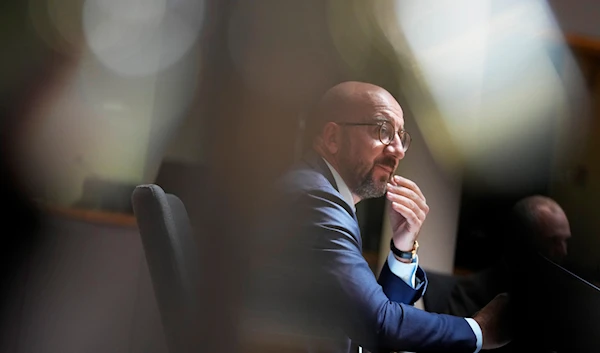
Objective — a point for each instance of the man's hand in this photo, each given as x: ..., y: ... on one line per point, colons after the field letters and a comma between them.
x: 494, y: 322
x: 409, y: 210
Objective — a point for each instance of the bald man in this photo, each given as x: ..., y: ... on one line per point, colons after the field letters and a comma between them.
x: 544, y: 225
x: 319, y: 288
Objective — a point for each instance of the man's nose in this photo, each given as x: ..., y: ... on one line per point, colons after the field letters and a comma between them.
x: 563, y: 248
x: 396, y: 148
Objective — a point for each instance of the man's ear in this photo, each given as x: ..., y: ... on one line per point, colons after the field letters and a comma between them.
x: 331, y: 137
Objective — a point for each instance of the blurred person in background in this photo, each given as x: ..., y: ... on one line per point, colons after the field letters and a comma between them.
x: 537, y: 225
x: 318, y: 287
x: 546, y: 226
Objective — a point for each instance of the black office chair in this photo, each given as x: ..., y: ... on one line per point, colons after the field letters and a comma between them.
x: 172, y: 257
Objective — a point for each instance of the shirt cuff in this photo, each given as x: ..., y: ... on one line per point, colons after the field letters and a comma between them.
x: 477, y: 331
x: 405, y: 271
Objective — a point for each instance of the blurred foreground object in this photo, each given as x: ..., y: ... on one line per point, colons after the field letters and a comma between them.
x: 509, y: 96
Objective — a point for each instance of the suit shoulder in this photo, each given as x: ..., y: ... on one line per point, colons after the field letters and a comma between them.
x: 306, y: 188
x: 305, y: 180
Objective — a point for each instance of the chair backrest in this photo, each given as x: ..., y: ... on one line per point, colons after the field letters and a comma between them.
x: 171, y: 254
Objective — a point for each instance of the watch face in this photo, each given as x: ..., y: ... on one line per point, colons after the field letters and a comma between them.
x: 407, y: 255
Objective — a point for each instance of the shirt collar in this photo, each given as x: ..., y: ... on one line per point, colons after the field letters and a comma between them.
x: 342, y: 187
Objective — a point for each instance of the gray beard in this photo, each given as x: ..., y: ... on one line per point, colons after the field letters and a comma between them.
x: 369, y: 189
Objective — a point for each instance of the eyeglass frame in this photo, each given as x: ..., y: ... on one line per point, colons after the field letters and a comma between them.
x: 380, y: 124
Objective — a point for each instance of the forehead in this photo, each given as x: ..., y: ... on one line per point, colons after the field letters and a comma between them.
x: 554, y: 223
x: 380, y: 106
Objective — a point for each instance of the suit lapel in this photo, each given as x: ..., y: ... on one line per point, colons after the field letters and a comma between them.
x: 316, y: 162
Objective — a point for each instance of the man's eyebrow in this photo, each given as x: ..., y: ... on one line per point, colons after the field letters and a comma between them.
x: 380, y: 118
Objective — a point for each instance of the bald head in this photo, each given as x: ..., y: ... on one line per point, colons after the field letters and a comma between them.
x: 357, y: 128
x: 547, y: 225
x: 350, y: 101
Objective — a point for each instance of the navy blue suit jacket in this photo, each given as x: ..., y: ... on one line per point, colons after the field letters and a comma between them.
x: 320, y: 287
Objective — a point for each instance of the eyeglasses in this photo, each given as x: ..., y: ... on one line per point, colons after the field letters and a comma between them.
x: 386, y: 133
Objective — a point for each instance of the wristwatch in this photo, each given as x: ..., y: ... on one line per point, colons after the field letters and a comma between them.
x: 407, y: 255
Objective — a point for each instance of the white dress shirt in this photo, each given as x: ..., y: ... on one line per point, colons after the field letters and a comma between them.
x: 405, y: 271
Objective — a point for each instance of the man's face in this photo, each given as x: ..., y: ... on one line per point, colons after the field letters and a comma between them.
x: 366, y: 163
x: 554, y: 234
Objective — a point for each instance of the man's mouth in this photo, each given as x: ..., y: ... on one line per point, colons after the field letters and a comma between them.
x: 386, y: 168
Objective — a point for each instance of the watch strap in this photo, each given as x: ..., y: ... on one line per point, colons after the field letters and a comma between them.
x: 407, y: 255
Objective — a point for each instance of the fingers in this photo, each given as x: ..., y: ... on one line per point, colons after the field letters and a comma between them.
x: 407, y: 193
x: 493, y: 319
x: 408, y: 198
x: 409, y: 208
x: 407, y: 205
x: 503, y: 297
x: 411, y: 217
x: 400, y: 181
